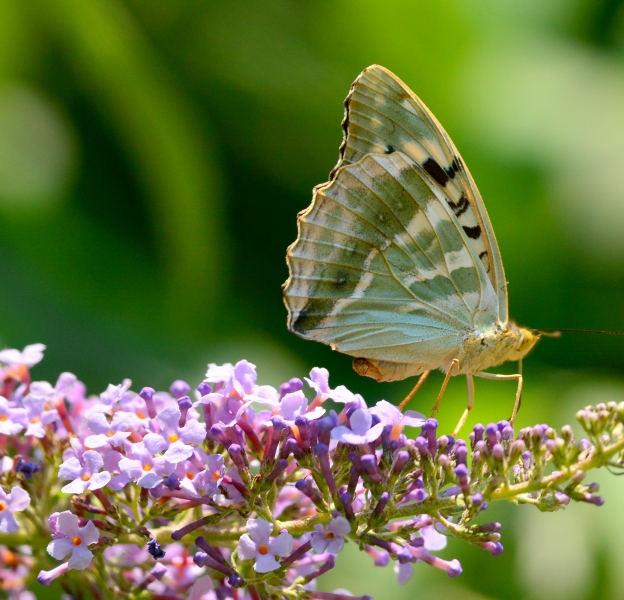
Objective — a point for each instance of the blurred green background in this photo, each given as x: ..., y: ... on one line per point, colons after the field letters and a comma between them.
x: 154, y: 155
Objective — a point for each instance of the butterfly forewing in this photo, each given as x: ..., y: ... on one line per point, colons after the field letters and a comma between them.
x: 383, y: 116
x: 382, y: 269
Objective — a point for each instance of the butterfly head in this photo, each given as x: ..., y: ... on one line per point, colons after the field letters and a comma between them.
x: 525, y: 340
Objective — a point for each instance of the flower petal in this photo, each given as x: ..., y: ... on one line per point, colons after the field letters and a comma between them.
x: 361, y: 421
x: 319, y: 542
x: 246, y: 548
x: 99, y: 480
x: 177, y: 452
x: 19, y: 499
x: 340, y: 526
x: 93, y: 461
x: 70, y: 469
x: 154, y: 443
x: 433, y: 539
x: 149, y: 480
x: 335, y: 545
x: 169, y: 417
x: 259, y: 529
x: 282, y: 545
x: 193, y: 432
x: 266, y: 563
x: 67, y: 524
x: 75, y: 487
x: 90, y: 534
x: 411, y: 418
x: 59, y: 549
x: 81, y: 558
x: 8, y: 524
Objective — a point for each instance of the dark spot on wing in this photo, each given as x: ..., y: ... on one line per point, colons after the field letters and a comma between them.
x: 390, y: 150
x: 472, y: 232
x: 312, y: 314
x: 483, y: 255
x: 436, y: 171
x: 459, y: 207
x: 454, y: 168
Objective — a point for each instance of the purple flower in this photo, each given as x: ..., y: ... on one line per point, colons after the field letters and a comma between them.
x: 433, y: 539
x: 11, y: 419
x: 348, y: 398
x: 74, y: 541
x: 360, y: 431
x: 330, y: 537
x: 209, y: 480
x: 239, y: 378
x: 113, y: 433
x: 114, y: 393
x: 257, y: 545
x: 390, y: 415
x: 143, y: 468
x: 29, y: 356
x: 37, y: 416
x: 319, y: 382
x: 174, y: 439
x: 84, y: 476
x: 291, y: 406
x: 16, y: 501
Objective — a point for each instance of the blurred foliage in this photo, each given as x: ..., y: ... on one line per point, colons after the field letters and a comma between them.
x: 154, y: 155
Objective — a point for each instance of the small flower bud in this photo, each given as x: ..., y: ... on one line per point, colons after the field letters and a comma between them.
x: 179, y: 388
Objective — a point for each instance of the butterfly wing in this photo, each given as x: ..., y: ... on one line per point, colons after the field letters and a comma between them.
x: 383, y: 270
x: 382, y: 115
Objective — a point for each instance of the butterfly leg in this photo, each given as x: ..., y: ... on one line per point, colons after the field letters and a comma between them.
x: 462, y: 420
x: 517, y: 377
x: 418, y: 385
x: 454, y: 365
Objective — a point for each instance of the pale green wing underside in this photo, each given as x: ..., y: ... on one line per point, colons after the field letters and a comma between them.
x: 383, y: 115
x: 382, y: 268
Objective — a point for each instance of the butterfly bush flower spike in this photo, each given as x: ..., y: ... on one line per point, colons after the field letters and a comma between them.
x: 142, y: 492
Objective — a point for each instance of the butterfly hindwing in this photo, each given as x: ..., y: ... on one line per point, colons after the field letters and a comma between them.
x: 382, y: 269
x: 383, y: 116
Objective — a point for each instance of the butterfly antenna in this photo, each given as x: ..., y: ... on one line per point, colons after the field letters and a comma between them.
x: 556, y: 333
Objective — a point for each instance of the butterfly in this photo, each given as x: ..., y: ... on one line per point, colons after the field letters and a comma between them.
x: 396, y: 262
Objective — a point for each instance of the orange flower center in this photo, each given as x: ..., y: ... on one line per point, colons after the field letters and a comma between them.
x: 263, y: 549
x: 86, y: 477
x: 3, y: 417
x: 190, y: 475
x: 172, y: 437
x: 110, y: 434
x: 216, y: 475
x: 147, y: 467
x: 35, y: 419
x: 397, y: 428
x: 2, y: 506
x: 140, y: 415
x: 77, y: 541
x: 330, y: 535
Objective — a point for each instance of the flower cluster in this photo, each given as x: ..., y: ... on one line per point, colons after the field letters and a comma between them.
x: 239, y: 490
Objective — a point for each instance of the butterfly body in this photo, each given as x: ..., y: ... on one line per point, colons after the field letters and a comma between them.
x: 396, y: 262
